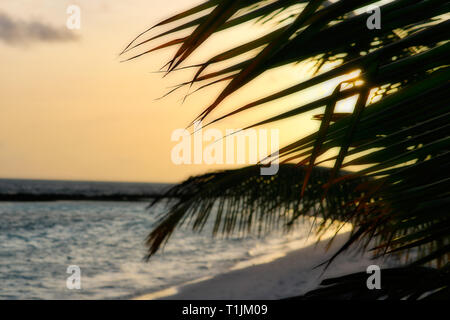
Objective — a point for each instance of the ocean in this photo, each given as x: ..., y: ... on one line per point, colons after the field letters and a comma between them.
x: 39, y: 240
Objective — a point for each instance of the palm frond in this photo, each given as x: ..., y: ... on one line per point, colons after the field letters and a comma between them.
x: 398, y: 131
x: 245, y: 201
x: 428, y: 283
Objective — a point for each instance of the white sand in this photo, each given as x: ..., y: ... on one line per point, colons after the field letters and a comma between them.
x: 290, y: 275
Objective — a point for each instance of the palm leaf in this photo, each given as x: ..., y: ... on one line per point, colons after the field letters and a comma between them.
x: 397, y: 202
x: 396, y: 284
x: 240, y: 198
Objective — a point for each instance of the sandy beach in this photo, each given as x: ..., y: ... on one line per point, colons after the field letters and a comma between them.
x: 287, y: 276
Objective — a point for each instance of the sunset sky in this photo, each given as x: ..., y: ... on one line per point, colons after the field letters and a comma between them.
x: 71, y: 110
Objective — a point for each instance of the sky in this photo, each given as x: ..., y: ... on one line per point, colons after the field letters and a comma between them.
x: 70, y: 109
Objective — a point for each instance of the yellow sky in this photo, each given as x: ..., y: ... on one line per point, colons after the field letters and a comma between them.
x: 71, y: 110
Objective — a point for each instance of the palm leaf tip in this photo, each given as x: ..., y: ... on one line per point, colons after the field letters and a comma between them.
x: 242, y: 201
x: 396, y: 284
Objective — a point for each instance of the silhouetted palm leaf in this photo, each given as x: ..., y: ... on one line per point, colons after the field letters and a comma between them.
x: 396, y: 285
x: 244, y: 199
x: 400, y: 133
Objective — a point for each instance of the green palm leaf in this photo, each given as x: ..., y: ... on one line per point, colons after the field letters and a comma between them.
x: 398, y: 201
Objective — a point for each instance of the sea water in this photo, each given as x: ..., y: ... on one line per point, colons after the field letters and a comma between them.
x: 106, y: 240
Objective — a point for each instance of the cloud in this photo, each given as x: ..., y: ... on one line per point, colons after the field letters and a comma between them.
x: 15, y: 32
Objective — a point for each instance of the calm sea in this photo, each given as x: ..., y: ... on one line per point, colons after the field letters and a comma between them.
x: 40, y: 240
